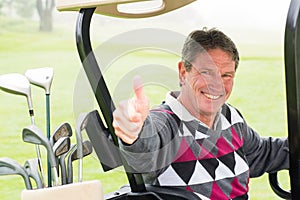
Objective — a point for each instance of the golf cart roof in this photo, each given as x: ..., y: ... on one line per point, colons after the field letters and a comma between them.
x: 111, y: 7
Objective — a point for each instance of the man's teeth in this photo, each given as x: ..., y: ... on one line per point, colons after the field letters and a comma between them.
x: 211, y: 96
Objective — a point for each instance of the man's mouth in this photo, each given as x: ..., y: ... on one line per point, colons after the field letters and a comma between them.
x: 210, y: 96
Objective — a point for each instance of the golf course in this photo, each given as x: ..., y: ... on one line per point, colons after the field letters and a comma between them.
x: 259, y: 92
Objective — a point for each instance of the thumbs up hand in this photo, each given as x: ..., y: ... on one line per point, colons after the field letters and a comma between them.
x: 129, y: 116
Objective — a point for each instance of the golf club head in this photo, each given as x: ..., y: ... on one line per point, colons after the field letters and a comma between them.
x: 16, y: 84
x: 63, y: 130
x: 87, y: 150
x: 61, y: 146
x: 80, y: 125
x: 41, y: 77
x: 32, y: 168
x: 32, y: 134
x: 9, y: 166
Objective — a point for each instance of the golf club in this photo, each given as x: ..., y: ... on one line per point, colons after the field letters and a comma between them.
x: 62, y: 164
x: 9, y: 166
x: 87, y: 150
x: 61, y: 146
x: 31, y: 167
x: 63, y: 130
x: 18, y: 84
x: 32, y: 134
x: 42, y: 77
x: 80, y: 125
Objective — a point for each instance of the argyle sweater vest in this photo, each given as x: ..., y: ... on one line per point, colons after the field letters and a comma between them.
x: 210, y: 163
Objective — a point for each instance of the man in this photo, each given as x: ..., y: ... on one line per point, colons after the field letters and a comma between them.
x: 195, y: 140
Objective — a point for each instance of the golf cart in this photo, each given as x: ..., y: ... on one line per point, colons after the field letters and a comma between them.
x: 104, y: 136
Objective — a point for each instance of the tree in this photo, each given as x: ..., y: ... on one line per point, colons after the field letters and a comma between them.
x: 45, y: 8
x: 24, y: 9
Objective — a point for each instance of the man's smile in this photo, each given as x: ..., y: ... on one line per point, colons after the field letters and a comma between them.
x: 211, y: 96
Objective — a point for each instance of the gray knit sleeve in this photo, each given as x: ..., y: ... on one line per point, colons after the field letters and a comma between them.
x: 156, y: 146
x: 265, y: 154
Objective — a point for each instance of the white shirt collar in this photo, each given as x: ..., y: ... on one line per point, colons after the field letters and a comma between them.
x: 177, y: 107
x: 181, y: 111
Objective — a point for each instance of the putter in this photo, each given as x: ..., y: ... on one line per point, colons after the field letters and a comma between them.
x: 18, y: 84
x: 31, y: 167
x: 42, y: 77
x: 80, y: 125
x: 63, y: 130
x: 33, y: 135
x: 9, y: 166
x: 87, y: 150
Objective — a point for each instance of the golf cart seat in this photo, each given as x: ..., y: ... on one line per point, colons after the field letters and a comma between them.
x: 103, y: 138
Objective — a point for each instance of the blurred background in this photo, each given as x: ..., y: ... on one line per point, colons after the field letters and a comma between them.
x: 34, y: 34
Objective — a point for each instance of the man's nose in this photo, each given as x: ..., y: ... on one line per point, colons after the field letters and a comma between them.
x: 215, y: 84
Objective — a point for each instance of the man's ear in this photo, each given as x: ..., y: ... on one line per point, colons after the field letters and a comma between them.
x: 181, y: 73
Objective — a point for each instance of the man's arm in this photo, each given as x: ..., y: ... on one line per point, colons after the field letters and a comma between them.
x: 265, y: 154
x: 148, y: 141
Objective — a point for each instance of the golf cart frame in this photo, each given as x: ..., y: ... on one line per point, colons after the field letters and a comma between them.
x: 138, y: 190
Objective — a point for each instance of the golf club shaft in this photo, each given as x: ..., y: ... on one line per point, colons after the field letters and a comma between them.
x: 80, y: 165
x: 38, y: 151
x: 70, y: 171
x: 54, y: 176
x: 63, y: 170
x: 48, y: 135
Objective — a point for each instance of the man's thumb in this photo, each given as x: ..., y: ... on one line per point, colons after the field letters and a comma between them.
x: 139, y: 89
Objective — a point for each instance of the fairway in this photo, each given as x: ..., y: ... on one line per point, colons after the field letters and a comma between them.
x: 259, y: 93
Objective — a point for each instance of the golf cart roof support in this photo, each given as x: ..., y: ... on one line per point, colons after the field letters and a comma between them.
x: 292, y: 78
x: 292, y: 71
x: 99, y: 87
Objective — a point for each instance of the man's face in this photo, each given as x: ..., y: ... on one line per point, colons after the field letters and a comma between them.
x: 207, y: 86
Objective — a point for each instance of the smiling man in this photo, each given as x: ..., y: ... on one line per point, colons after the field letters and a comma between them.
x: 195, y: 140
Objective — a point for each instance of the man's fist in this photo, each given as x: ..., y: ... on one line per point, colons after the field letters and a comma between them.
x: 130, y: 114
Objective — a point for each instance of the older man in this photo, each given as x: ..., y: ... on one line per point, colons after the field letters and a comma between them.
x: 195, y: 140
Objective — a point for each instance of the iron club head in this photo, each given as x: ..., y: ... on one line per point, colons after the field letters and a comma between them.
x: 9, y: 166
x: 63, y: 130
x: 61, y: 146
x: 33, y: 135
x: 73, y: 155
x: 32, y: 169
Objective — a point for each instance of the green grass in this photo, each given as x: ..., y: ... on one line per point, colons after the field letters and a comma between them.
x: 259, y: 93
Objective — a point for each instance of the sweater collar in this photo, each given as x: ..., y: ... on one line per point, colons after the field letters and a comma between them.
x: 181, y: 112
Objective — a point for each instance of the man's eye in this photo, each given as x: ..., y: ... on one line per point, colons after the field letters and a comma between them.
x: 205, y: 72
x: 227, y: 75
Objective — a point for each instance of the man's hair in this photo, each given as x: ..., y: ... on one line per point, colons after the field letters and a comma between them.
x: 203, y: 40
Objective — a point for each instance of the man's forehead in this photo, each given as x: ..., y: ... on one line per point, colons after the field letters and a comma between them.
x: 213, y: 59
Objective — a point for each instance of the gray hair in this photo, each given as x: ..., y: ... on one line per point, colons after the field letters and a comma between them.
x: 203, y: 40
